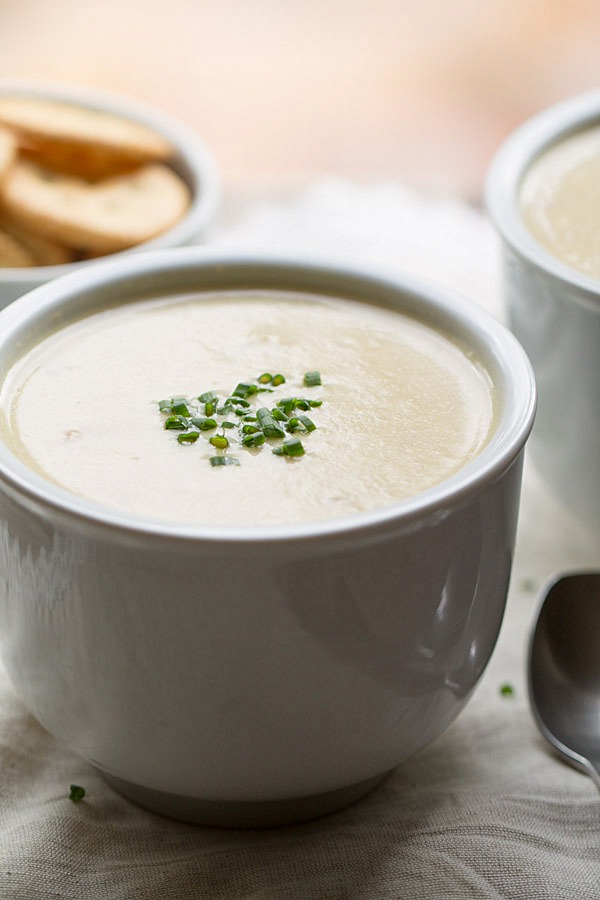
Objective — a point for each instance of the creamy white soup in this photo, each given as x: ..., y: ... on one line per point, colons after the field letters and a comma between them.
x: 560, y: 201
x: 375, y: 407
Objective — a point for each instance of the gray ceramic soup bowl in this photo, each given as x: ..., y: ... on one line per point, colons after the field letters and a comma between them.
x: 192, y: 161
x: 554, y: 310
x: 314, y: 658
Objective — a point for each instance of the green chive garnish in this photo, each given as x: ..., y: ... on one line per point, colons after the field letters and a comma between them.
x: 204, y: 424
x: 507, y: 690
x: 223, y: 461
x: 294, y: 447
x: 287, y: 404
x: 177, y: 423
x: 291, y: 447
x: 312, y: 379
x: 254, y: 426
x: 253, y: 440
x: 179, y: 408
x: 190, y: 437
x: 308, y: 423
x: 244, y: 389
x: 76, y: 793
x: 268, y: 424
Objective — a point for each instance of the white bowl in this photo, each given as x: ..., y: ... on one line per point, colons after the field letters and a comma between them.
x: 192, y: 161
x: 308, y: 660
x: 554, y: 310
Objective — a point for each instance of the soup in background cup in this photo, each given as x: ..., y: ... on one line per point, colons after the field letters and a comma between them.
x: 253, y: 671
x: 541, y: 192
x: 189, y: 160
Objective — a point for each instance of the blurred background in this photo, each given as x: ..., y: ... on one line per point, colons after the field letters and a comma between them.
x: 422, y: 91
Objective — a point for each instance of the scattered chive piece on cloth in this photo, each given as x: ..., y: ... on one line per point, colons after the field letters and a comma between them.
x: 76, y: 793
x: 507, y: 690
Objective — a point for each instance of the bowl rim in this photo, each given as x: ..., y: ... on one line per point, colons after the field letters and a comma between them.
x: 503, y: 181
x: 513, y: 425
x: 189, y: 148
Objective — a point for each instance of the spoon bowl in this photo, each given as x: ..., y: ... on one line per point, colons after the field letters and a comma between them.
x: 564, y: 670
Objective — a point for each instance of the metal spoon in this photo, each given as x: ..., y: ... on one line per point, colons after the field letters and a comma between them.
x: 564, y: 670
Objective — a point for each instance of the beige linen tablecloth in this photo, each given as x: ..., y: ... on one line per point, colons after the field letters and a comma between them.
x: 484, y: 811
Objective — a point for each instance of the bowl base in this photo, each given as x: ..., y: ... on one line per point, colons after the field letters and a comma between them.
x: 246, y: 814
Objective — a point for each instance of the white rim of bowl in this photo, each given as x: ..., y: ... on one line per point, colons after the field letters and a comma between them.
x: 500, y: 347
x: 505, y: 175
x: 188, y: 146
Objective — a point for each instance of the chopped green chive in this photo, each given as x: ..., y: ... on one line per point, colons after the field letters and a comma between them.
x: 223, y: 461
x: 291, y: 447
x: 507, y: 690
x: 308, y: 423
x: 253, y: 440
x: 189, y: 437
x: 177, y: 423
x: 244, y: 389
x: 312, y: 379
x: 268, y: 423
x: 76, y: 793
x: 253, y: 426
x: 180, y: 408
x: 287, y: 404
x: 204, y: 424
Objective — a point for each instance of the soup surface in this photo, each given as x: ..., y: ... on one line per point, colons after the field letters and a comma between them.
x: 399, y: 408
x: 560, y: 201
